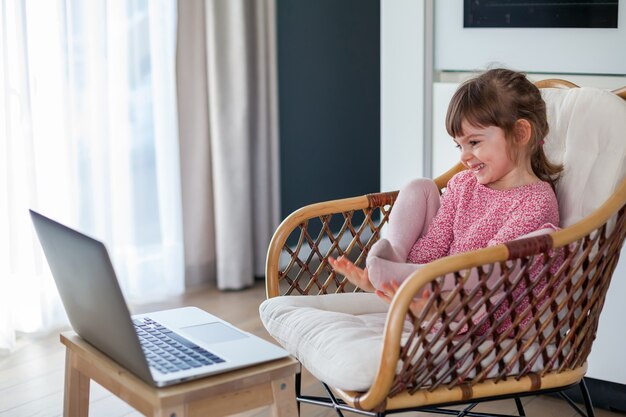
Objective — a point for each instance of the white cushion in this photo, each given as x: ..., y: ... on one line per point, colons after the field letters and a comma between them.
x: 587, y: 135
x: 339, y: 338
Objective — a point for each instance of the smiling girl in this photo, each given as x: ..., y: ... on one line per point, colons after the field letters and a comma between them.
x: 498, y: 122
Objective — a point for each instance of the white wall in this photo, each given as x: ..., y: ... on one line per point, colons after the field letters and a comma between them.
x: 444, y: 155
x: 596, y: 51
x: 402, y: 76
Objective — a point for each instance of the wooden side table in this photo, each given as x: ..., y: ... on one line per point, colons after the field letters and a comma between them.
x: 271, y: 383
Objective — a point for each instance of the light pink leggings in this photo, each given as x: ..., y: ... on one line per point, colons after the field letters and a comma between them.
x: 410, y: 218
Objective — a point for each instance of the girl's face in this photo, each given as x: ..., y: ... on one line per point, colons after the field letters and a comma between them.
x: 484, y: 151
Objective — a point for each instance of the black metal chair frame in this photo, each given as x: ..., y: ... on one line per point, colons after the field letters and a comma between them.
x: 339, y: 405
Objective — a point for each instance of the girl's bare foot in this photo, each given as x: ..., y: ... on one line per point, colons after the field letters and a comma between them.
x: 354, y: 274
x: 389, y: 289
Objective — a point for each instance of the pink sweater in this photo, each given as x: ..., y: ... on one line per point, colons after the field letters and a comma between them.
x: 473, y: 216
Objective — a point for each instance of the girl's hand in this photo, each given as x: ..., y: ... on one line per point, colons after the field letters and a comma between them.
x: 389, y: 289
x: 354, y: 274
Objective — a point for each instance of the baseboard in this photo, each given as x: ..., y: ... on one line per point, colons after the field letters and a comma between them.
x: 607, y: 395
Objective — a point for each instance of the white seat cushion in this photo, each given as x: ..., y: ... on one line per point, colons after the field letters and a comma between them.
x: 339, y: 338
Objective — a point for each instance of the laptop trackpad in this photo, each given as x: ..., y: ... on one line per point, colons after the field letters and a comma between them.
x: 213, y: 333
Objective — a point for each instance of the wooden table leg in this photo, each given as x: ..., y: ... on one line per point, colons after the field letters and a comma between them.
x: 284, y: 392
x: 76, y: 396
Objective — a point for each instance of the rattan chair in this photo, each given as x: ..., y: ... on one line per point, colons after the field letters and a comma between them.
x: 426, y: 363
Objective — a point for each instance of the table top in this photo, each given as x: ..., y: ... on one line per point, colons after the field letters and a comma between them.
x: 102, y: 369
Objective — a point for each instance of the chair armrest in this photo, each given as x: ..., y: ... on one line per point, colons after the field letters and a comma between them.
x: 297, y: 258
x: 298, y: 254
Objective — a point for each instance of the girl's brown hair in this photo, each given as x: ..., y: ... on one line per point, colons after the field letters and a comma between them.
x: 500, y: 97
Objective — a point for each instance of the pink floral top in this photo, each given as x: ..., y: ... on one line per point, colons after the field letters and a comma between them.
x: 473, y: 216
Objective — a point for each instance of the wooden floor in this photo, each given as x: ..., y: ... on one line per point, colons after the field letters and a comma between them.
x: 31, y: 379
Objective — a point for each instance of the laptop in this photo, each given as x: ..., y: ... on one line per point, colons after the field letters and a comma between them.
x: 162, y: 348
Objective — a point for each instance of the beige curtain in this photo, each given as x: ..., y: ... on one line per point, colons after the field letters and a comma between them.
x: 227, y: 92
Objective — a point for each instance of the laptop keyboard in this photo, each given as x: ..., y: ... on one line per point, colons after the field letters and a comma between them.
x: 167, y: 351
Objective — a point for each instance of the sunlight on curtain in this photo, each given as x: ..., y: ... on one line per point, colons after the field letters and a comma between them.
x: 88, y: 136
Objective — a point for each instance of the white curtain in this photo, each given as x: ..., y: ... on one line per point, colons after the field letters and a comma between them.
x: 227, y: 92
x: 88, y: 136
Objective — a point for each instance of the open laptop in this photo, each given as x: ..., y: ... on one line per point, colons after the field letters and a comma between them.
x: 161, y: 348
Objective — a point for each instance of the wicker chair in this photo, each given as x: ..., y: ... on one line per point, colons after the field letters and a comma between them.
x: 426, y: 363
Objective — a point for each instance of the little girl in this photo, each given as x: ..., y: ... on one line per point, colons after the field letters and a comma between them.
x: 498, y: 122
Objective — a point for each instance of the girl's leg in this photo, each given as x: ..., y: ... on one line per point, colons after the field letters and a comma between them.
x: 412, y: 213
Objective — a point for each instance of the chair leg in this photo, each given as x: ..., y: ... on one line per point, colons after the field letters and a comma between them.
x: 333, y: 399
x: 586, y: 398
x: 520, y: 407
x: 298, y: 390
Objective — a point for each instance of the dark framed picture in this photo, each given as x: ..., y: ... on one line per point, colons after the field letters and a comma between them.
x: 540, y: 13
